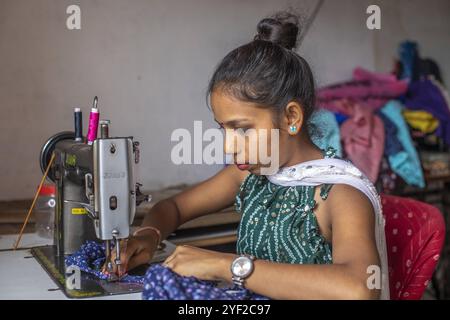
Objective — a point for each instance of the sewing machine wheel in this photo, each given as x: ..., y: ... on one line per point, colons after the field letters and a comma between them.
x: 49, y: 146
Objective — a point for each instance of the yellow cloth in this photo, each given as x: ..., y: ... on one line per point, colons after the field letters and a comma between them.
x: 421, y: 120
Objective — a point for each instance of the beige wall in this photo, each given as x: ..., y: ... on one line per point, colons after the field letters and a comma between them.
x: 149, y: 62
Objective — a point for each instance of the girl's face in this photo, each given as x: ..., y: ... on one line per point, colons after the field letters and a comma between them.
x: 249, y: 123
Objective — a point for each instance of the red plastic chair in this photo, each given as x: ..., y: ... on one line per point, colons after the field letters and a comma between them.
x: 415, y: 233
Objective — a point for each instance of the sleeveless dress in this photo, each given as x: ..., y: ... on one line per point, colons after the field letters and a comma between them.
x: 278, y: 223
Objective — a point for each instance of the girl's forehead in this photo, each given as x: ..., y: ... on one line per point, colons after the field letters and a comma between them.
x: 226, y: 107
x: 221, y: 99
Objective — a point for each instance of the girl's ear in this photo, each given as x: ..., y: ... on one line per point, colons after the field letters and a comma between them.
x: 293, y: 117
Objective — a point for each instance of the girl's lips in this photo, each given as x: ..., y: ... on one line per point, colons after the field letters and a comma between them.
x: 243, y: 166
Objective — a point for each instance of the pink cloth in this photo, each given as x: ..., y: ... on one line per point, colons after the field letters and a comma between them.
x: 363, y: 139
x: 372, y: 89
x: 363, y: 74
x: 363, y: 133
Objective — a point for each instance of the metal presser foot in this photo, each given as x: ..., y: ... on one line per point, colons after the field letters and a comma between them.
x: 108, y: 269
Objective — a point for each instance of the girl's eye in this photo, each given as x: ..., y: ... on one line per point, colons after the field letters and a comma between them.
x: 237, y: 129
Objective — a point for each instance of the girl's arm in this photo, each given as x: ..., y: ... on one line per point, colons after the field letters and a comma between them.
x: 209, y: 196
x: 354, y: 250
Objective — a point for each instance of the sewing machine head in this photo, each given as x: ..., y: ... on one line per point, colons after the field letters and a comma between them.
x: 96, y: 193
x: 113, y: 193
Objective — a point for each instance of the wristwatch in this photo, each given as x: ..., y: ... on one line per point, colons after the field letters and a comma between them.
x: 241, y: 268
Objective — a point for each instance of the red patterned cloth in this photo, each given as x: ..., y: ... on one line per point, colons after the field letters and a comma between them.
x: 415, y: 233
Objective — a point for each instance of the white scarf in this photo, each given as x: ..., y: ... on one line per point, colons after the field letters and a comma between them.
x: 338, y: 171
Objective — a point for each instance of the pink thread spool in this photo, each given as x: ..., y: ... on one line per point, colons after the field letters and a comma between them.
x: 93, y: 123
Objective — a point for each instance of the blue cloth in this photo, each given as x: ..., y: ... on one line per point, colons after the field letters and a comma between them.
x: 159, y: 282
x: 409, y: 58
x: 405, y: 163
x: 340, y: 118
x: 392, y: 144
x: 324, y: 131
x: 90, y: 259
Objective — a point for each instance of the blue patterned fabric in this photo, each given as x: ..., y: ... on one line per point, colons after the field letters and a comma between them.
x: 159, y: 282
x: 90, y: 259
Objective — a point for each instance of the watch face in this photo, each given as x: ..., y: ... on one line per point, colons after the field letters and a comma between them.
x: 242, y: 266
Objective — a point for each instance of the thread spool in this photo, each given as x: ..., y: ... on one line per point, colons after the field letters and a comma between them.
x: 78, y: 117
x: 93, y: 122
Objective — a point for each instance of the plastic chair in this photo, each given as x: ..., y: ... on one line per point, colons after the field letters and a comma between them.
x: 415, y: 234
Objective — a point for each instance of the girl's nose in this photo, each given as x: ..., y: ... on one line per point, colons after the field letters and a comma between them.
x: 234, y: 144
x: 231, y: 145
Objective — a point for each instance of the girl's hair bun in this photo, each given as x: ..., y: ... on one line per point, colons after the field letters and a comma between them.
x: 281, y: 29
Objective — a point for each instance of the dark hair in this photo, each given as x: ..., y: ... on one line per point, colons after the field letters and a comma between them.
x: 266, y: 71
x: 282, y: 29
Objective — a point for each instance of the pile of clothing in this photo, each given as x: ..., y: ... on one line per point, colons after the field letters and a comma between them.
x: 376, y: 120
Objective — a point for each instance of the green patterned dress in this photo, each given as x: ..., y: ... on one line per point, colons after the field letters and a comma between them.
x: 278, y: 223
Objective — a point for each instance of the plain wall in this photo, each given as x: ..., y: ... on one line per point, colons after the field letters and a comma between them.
x: 149, y: 61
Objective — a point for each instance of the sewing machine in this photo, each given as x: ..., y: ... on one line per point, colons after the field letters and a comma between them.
x: 96, y: 199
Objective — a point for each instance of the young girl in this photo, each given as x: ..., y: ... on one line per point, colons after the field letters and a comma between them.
x: 307, y: 232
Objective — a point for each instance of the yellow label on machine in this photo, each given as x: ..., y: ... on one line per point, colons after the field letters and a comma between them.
x: 79, y: 211
x: 71, y: 160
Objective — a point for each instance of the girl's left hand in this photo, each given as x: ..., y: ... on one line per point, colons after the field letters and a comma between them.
x: 200, y: 263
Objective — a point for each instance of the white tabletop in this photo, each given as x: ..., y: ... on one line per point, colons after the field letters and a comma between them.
x: 29, y: 240
x: 22, y: 277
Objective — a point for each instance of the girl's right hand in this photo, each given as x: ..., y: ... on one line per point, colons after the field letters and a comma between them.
x: 135, y: 251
